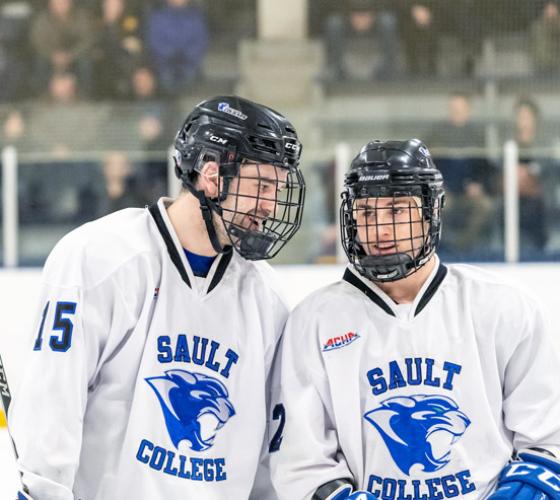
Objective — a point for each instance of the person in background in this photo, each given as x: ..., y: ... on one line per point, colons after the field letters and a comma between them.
x: 530, y: 136
x: 469, y: 179
x: 371, y: 20
x: 419, y: 30
x: 177, y: 37
x: 118, y: 47
x: 61, y: 38
x: 545, y: 39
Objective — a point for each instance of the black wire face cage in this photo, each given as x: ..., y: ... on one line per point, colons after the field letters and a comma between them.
x: 261, y: 206
x: 391, y: 236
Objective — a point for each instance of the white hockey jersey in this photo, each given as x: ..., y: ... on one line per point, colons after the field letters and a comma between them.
x: 415, y: 401
x: 145, y: 382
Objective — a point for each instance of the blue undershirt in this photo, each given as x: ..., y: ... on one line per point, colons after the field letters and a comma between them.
x: 200, y: 264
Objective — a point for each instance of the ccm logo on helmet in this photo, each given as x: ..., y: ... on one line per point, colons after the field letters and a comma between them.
x: 293, y: 146
x: 219, y: 140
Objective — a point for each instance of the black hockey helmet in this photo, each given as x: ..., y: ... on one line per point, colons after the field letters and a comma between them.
x: 233, y: 131
x: 389, y: 241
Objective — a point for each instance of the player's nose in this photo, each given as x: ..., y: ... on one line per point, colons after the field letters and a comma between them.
x: 267, y: 206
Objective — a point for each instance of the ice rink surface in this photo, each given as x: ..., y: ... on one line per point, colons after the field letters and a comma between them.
x: 9, y: 482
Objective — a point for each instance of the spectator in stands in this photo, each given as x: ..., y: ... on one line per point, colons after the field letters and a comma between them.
x: 13, y: 129
x: 419, y: 32
x: 61, y: 37
x: 532, y: 208
x: 545, y: 38
x: 177, y: 38
x: 115, y: 189
x: 61, y: 123
x: 118, y: 47
x: 150, y: 112
x: 370, y: 20
x: 468, y: 24
x: 118, y: 173
x: 14, y: 53
x: 152, y: 120
x: 468, y: 179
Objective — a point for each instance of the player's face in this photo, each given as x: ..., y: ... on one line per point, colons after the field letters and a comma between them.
x: 253, y: 196
x: 390, y: 225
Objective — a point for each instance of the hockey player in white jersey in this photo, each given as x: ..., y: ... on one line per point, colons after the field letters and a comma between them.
x: 409, y: 379
x: 147, y: 374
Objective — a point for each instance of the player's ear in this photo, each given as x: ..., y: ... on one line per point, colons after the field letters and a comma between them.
x: 208, y: 179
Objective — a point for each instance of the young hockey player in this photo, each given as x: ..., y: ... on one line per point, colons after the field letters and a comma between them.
x: 148, y: 372
x: 410, y: 379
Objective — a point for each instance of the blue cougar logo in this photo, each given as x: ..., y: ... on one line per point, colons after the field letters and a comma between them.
x: 195, y: 407
x: 419, y: 429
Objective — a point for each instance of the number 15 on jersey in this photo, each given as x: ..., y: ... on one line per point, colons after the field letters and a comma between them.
x: 63, y: 316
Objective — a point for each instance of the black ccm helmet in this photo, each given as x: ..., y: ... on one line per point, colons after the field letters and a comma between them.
x: 233, y: 132
x: 388, y: 241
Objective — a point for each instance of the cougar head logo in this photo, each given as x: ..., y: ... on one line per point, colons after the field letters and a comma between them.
x: 195, y: 407
x: 419, y: 430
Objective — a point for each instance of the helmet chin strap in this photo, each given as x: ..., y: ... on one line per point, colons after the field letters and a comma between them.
x: 387, y: 267
x: 206, y: 209
x: 253, y: 244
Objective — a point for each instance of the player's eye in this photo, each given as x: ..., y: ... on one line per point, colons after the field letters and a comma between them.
x: 364, y: 211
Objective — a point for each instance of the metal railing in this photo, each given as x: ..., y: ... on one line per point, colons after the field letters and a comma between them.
x: 343, y: 152
x: 10, y: 201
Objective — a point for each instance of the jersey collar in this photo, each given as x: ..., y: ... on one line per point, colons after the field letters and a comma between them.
x: 175, y: 250
x: 384, y: 302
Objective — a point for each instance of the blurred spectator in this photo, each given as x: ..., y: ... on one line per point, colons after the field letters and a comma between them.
x: 61, y: 123
x: 177, y: 37
x: 117, y: 48
x: 532, y: 209
x: 545, y: 37
x: 63, y: 88
x: 372, y: 21
x: 458, y: 130
x: 14, y: 50
x: 116, y: 189
x: 151, y: 117
x: 419, y: 32
x: 119, y: 182
x: 150, y: 112
x: 144, y: 84
x: 468, y: 22
x: 468, y: 180
x: 13, y: 129
x: 62, y: 36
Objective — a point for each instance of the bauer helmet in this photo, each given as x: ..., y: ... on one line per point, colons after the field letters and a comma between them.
x: 390, y: 214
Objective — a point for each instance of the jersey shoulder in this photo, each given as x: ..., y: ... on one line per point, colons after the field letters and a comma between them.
x: 93, y: 251
x: 332, y: 299
x: 266, y: 279
x: 491, y: 289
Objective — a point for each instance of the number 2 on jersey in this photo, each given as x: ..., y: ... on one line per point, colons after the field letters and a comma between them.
x: 62, y: 341
x: 279, y: 413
